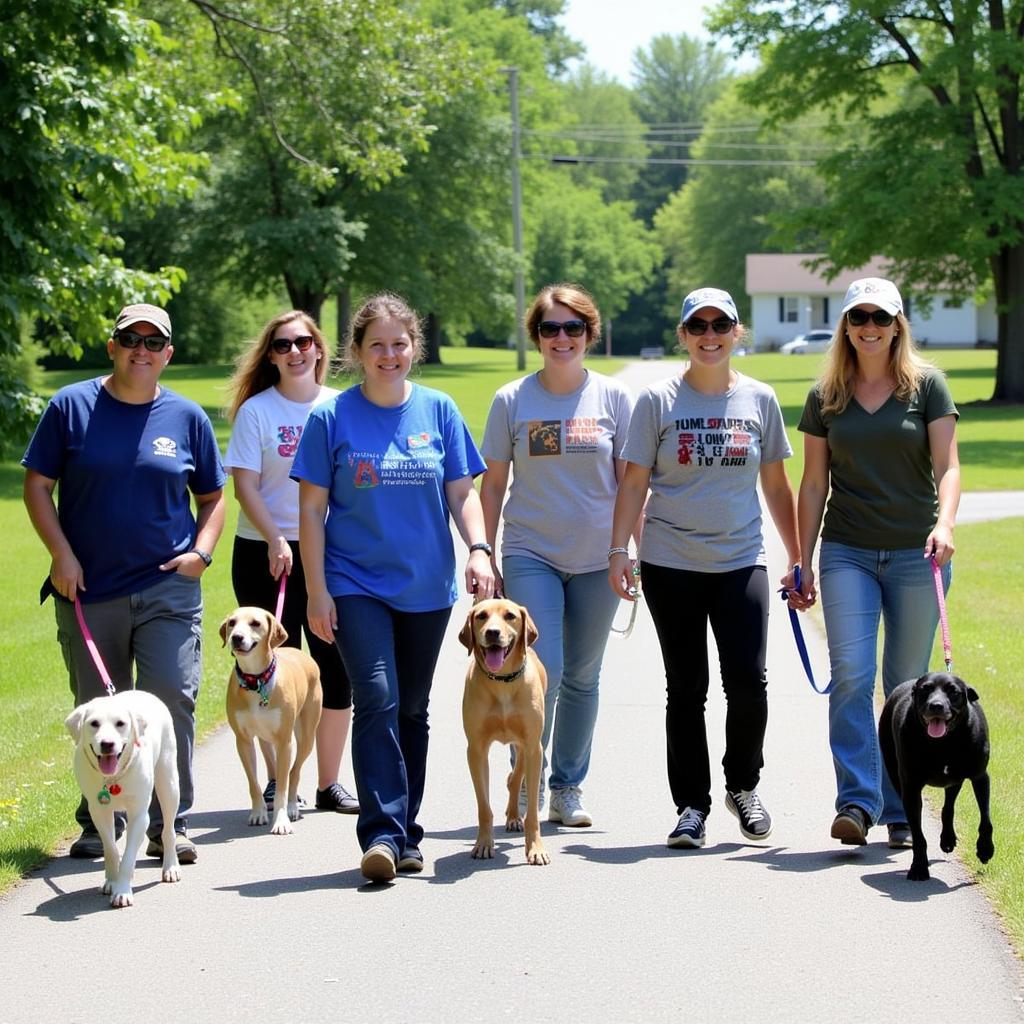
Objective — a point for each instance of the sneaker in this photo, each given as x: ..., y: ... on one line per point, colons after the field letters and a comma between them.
x: 87, y: 846
x: 522, y: 798
x: 271, y: 791
x: 755, y: 821
x: 411, y: 862
x: 378, y: 863
x: 567, y: 808
x: 690, y: 830
x: 183, y: 846
x: 899, y: 835
x: 850, y: 826
x: 336, y: 798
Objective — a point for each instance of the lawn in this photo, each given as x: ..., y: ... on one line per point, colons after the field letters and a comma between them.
x: 37, y: 792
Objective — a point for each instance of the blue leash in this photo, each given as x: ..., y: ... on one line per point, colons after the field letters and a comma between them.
x: 794, y: 620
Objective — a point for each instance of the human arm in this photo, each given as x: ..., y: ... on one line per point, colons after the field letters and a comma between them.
x: 492, y: 496
x: 810, y: 507
x: 946, y: 469
x: 65, y: 569
x: 778, y: 496
x: 467, y: 513
x: 637, y: 529
x: 209, y: 525
x: 320, y: 608
x: 247, y: 491
x: 629, y: 503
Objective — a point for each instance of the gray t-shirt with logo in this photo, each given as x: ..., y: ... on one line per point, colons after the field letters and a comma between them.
x: 562, y: 449
x: 705, y: 453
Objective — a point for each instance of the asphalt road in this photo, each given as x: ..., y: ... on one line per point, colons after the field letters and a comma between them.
x: 616, y: 928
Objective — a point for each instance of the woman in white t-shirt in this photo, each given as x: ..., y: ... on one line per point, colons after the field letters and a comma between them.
x: 560, y: 431
x: 279, y: 379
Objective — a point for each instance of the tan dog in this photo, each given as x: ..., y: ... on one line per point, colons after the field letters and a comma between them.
x: 124, y: 748
x: 504, y: 702
x: 273, y: 695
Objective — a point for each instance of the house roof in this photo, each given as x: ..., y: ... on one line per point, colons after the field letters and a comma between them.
x: 786, y: 273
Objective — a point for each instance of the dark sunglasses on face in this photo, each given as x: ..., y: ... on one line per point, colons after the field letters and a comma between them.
x: 130, y: 339
x: 282, y: 346
x: 573, y: 328
x: 859, y: 317
x: 723, y: 325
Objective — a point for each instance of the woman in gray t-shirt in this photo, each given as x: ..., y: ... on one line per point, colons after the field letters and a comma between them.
x: 560, y: 431
x: 701, y: 442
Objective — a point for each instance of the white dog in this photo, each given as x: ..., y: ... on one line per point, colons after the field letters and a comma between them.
x: 124, y: 748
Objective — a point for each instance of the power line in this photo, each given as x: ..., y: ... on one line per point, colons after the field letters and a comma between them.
x: 563, y: 159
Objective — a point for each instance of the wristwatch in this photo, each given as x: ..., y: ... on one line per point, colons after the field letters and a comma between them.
x: 482, y: 546
x: 205, y: 556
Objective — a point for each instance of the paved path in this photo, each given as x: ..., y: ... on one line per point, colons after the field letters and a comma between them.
x: 617, y: 928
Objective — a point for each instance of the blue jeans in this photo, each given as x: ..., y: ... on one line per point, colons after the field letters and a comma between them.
x: 858, y: 587
x: 390, y: 657
x: 573, y: 613
x: 158, y: 632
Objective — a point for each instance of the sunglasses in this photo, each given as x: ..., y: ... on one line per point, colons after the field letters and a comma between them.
x: 282, y: 346
x: 130, y: 339
x: 723, y: 325
x: 573, y: 328
x: 859, y: 317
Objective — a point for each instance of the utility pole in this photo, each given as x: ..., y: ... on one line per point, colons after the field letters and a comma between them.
x: 517, y: 219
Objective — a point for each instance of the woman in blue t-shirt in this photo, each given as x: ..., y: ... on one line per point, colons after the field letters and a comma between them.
x: 380, y: 468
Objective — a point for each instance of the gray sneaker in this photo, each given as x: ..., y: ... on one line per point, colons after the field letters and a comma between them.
x: 755, y: 821
x: 567, y: 808
x: 690, y: 830
x: 522, y: 798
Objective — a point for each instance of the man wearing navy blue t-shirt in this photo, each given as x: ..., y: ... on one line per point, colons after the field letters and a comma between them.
x: 130, y: 456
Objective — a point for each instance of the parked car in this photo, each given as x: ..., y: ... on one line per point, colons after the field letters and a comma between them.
x: 812, y: 341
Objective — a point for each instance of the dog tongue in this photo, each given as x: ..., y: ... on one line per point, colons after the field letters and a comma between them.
x: 494, y: 658
x: 108, y: 763
x: 936, y: 728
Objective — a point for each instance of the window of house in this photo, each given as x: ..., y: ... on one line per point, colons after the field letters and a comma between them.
x: 788, y: 309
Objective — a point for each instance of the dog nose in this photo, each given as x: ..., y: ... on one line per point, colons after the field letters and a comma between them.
x: 106, y: 746
x: 492, y: 636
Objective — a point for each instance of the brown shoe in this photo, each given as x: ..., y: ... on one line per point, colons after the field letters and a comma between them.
x: 183, y: 847
x: 850, y: 826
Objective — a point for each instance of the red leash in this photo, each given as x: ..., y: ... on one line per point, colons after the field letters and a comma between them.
x: 93, y: 649
x: 280, y: 597
x: 947, y: 646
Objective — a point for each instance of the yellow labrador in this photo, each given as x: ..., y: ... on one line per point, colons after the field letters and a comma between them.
x: 273, y: 695
x: 124, y: 749
x: 504, y: 702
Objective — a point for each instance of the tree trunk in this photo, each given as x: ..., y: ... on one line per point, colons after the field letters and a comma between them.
x: 433, y: 339
x: 1008, y: 274
x: 306, y: 299
x: 344, y: 317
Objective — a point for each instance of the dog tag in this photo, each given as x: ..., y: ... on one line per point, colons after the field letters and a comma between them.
x: 115, y: 789
x: 104, y: 795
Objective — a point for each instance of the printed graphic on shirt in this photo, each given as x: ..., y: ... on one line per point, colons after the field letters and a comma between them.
x: 165, y: 446
x: 371, y: 469
x: 714, y: 441
x: 545, y: 437
x: 288, y: 440
x: 564, y: 437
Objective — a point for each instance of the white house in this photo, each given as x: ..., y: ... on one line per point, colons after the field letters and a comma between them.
x: 787, y: 298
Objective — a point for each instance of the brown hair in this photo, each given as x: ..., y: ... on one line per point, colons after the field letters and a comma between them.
x: 379, y: 307
x: 254, y: 372
x: 576, y: 297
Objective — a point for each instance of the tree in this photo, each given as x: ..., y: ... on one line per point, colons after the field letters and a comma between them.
x: 929, y: 174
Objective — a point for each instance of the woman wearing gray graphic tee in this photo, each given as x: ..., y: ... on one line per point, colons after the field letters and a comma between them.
x: 700, y: 442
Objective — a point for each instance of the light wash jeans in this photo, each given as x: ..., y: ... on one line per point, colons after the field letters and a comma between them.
x: 858, y: 586
x: 573, y: 613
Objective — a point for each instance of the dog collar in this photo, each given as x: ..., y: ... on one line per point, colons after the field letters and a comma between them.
x: 110, y: 787
x: 510, y: 678
x: 261, y: 682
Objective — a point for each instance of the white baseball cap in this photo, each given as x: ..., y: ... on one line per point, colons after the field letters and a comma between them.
x: 874, y: 290
x: 708, y: 297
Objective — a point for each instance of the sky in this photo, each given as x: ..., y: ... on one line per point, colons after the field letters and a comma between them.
x: 612, y: 29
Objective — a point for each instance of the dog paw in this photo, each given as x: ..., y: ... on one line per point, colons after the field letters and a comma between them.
x: 483, y: 850
x: 947, y: 841
x: 538, y: 855
x: 171, y: 873
x: 514, y: 824
x: 293, y: 811
x: 985, y: 850
x: 258, y: 817
x: 121, y: 899
x: 282, y: 826
x: 918, y: 873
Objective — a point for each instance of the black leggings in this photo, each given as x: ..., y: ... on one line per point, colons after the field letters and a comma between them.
x: 250, y: 576
x: 736, y: 603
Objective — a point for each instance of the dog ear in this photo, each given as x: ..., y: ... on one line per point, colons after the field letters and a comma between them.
x: 73, y: 723
x: 972, y: 694
x: 139, y: 724
x: 529, y: 628
x: 277, y: 634
x: 224, y: 632
x: 466, y: 633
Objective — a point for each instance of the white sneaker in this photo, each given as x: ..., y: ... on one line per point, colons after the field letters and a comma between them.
x: 522, y: 798
x: 567, y: 807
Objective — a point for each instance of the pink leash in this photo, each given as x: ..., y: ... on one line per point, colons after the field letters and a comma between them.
x: 280, y: 597
x: 93, y: 649
x: 947, y: 646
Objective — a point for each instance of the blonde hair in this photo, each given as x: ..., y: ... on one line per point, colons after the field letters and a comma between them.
x: 254, y: 372
x: 837, y: 381
x: 573, y: 296
x: 382, y: 306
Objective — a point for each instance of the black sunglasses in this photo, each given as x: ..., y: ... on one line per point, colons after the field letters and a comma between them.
x: 723, y: 325
x: 573, y: 328
x: 130, y: 339
x: 282, y: 346
x: 859, y: 317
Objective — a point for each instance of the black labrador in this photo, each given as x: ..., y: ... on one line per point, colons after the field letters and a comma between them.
x: 933, y: 732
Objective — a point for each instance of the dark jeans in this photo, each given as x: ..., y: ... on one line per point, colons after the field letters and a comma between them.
x: 253, y: 584
x: 736, y: 604
x: 390, y: 657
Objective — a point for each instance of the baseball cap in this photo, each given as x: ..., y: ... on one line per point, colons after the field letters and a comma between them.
x: 144, y: 312
x: 708, y: 297
x: 874, y: 290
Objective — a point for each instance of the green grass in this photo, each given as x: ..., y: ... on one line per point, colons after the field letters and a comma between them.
x: 37, y: 792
